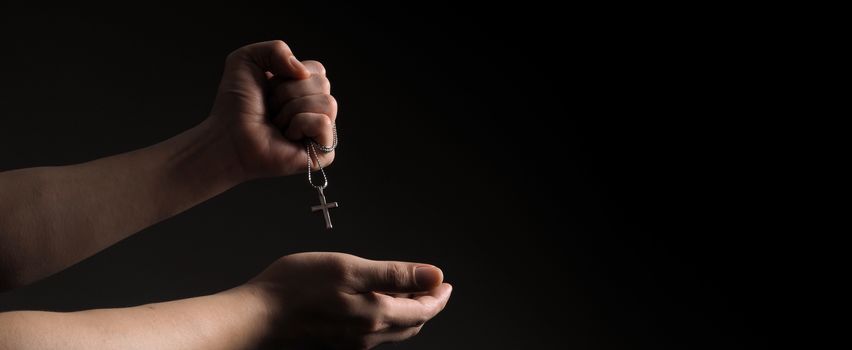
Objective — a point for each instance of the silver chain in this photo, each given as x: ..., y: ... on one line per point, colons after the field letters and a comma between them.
x: 310, y: 147
x: 328, y: 149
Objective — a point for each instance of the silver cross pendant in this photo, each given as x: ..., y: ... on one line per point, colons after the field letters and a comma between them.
x: 324, y: 207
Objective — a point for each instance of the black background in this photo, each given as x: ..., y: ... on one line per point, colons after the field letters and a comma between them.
x: 576, y: 173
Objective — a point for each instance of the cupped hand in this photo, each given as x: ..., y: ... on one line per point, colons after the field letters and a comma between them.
x: 268, y: 104
x: 346, y: 302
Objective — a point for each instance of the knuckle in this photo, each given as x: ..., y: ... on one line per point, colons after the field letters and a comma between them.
x: 314, y: 66
x: 323, y: 102
x: 397, y: 275
x: 325, y: 84
x: 323, y: 123
x: 280, y: 46
x: 331, y: 102
x: 336, y: 268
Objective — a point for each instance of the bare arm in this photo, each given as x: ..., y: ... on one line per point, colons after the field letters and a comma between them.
x: 52, y: 217
x: 309, y: 299
x: 234, y: 319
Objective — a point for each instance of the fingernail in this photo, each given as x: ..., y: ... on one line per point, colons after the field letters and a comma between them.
x: 297, y: 64
x: 428, y: 276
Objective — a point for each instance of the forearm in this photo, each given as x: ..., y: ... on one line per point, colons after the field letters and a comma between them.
x: 52, y: 217
x: 234, y: 319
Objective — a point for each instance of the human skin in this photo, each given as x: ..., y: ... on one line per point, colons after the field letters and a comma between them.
x: 268, y: 102
x: 53, y: 217
x: 302, y: 301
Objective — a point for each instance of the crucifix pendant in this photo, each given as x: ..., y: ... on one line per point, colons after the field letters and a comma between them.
x: 324, y: 207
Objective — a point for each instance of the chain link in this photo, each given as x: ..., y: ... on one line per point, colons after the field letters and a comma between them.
x: 310, y: 147
x: 328, y: 149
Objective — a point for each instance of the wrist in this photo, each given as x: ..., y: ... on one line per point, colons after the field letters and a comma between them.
x: 204, y: 156
x: 266, y: 310
x: 191, y: 167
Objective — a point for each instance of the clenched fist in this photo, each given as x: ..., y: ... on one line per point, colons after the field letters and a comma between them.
x: 268, y: 104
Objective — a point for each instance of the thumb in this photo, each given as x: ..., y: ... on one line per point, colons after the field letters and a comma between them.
x: 396, y: 277
x: 275, y: 57
x: 250, y: 65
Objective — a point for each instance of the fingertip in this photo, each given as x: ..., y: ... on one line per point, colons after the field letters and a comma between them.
x: 299, y: 69
x: 428, y: 277
x: 444, y: 291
